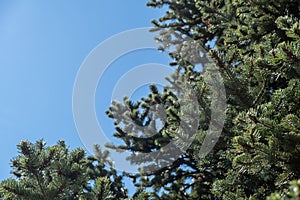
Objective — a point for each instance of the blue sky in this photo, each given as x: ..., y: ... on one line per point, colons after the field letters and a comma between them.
x: 42, y: 45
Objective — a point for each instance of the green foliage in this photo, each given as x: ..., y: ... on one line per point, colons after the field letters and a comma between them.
x: 255, y: 46
x: 100, y: 171
x: 292, y: 193
x: 53, y: 172
x: 101, y: 190
x: 46, y: 173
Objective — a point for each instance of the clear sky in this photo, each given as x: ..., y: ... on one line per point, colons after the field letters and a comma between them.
x: 42, y: 45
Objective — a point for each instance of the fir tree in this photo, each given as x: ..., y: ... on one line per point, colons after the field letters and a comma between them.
x: 256, y: 49
x: 53, y: 172
x: 255, y: 46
